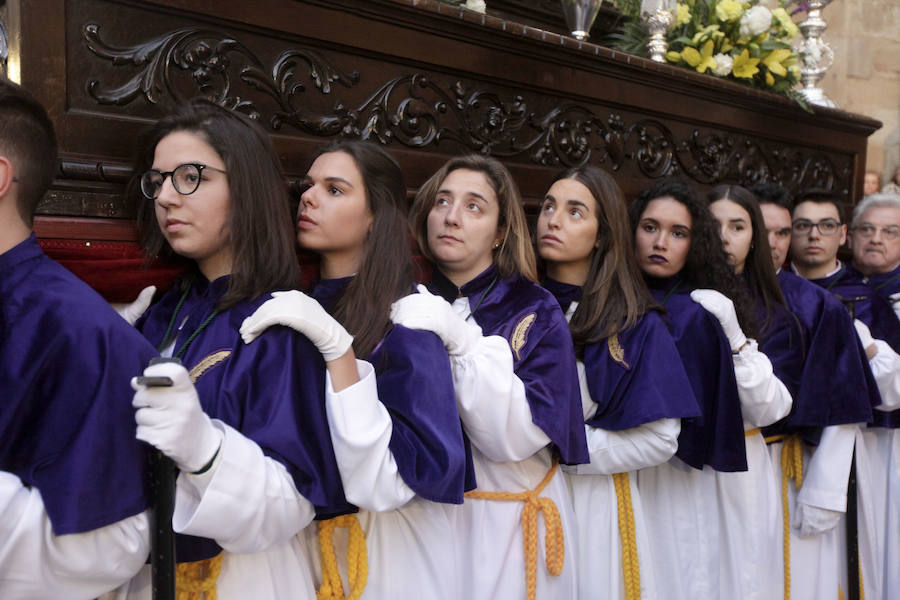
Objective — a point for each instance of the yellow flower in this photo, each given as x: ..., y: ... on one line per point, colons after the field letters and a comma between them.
x: 699, y: 61
x: 769, y: 79
x: 785, y: 21
x: 794, y: 70
x: 726, y: 46
x: 775, y: 58
x: 673, y: 57
x: 682, y: 15
x: 729, y: 10
x: 704, y: 33
x: 744, y: 66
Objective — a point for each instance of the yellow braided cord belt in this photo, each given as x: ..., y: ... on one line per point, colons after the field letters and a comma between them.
x: 357, y: 560
x: 791, y: 468
x: 752, y: 432
x: 197, y: 580
x: 554, y: 543
x: 630, y: 565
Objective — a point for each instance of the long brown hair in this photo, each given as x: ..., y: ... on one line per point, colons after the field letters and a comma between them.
x: 707, y: 264
x: 515, y: 255
x: 758, y: 269
x: 614, y: 295
x: 386, y: 269
x: 260, y: 223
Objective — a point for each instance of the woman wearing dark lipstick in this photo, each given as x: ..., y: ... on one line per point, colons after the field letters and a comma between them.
x: 680, y: 252
x: 634, y: 389
x: 514, y: 375
x: 397, y: 435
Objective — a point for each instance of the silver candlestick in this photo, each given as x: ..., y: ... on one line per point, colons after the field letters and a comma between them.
x: 580, y: 15
x: 658, y: 16
x: 816, y: 54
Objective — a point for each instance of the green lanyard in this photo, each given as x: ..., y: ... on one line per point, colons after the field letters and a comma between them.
x: 184, y: 346
x: 483, y: 294
x: 670, y: 292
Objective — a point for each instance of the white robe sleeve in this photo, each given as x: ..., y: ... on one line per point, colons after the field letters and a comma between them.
x: 644, y: 446
x: 492, y: 403
x: 247, y: 502
x: 825, y: 480
x: 613, y: 452
x: 764, y: 398
x: 885, y: 367
x: 361, y: 433
x: 895, y: 301
x: 35, y: 563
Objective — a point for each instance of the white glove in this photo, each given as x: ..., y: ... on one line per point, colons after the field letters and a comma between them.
x: 722, y: 308
x: 300, y: 312
x: 432, y: 313
x: 132, y: 312
x: 865, y: 338
x: 812, y: 520
x: 172, y: 420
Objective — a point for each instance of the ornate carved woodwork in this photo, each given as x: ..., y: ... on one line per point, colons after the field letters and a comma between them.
x: 425, y: 79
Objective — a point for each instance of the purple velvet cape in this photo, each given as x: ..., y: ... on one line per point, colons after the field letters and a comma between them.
x: 813, y: 354
x: 870, y: 307
x: 650, y: 386
x: 545, y: 362
x: 717, y: 438
x: 66, y: 421
x: 415, y: 385
x: 876, y: 312
x: 271, y: 390
x: 885, y: 284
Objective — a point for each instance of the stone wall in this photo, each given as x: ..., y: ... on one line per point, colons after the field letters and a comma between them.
x: 865, y: 78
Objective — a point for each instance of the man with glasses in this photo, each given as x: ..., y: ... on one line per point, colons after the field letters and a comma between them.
x: 817, y: 234
x: 73, y: 521
x: 833, y: 371
x: 875, y: 242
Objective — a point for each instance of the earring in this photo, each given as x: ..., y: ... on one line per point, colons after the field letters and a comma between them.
x: 496, y: 244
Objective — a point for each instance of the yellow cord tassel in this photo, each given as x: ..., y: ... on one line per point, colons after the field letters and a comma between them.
x: 630, y: 565
x: 791, y: 469
x: 357, y: 560
x: 554, y: 550
x: 197, y: 580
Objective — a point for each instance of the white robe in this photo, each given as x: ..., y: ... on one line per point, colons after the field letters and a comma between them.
x: 882, y: 447
x: 36, y: 564
x: 410, y: 541
x: 599, y: 547
x: 750, y: 552
x: 249, y: 504
x: 511, y: 454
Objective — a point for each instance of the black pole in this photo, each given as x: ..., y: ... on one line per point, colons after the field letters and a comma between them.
x: 853, y: 573
x: 162, y: 479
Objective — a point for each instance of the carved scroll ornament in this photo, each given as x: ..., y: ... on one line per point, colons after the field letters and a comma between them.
x: 418, y: 112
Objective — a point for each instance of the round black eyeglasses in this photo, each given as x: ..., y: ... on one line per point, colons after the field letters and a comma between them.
x: 185, y: 178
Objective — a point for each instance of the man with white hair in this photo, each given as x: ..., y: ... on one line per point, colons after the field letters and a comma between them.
x: 875, y: 242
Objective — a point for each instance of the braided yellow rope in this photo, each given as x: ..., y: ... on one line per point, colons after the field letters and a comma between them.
x: 752, y: 432
x: 357, y: 560
x: 553, y: 540
x: 791, y: 468
x: 197, y: 580
x: 630, y: 564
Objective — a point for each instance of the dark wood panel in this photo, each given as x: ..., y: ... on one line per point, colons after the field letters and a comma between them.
x: 427, y: 80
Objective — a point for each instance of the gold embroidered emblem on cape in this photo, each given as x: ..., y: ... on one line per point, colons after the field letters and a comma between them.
x: 520, y: 334
x: 616, y: 350
x: 207, y: 363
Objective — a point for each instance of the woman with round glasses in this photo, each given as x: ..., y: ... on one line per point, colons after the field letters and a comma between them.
x: 634, y: 389
x: 244, y: 423
x: 399, y: 444
x: 686, y: 499
x: 515, y: 380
